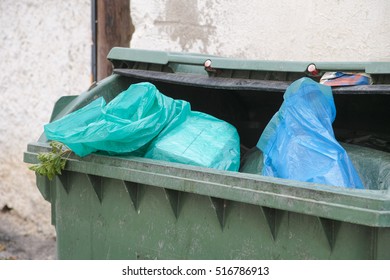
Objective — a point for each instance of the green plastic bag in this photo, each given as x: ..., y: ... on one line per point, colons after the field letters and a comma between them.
x: 200, y: 140
x: 142, y: 120
x: 127, y: 123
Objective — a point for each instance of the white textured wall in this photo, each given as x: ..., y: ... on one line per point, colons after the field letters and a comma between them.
x: 326, y: 30
x: 44, y: 54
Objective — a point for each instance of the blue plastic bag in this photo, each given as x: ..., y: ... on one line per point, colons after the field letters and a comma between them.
x: 298, y: 143
x: 127, y: 123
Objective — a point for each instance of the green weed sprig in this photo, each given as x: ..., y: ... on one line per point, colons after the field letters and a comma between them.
x: 53, y: 162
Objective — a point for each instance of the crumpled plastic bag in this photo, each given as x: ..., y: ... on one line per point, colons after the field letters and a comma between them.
x: 127, y: 123
x: 143, y: 120
x: 338, y: 79
x: 299, y: 143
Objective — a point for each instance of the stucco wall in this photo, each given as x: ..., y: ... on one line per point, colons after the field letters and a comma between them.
x: 326, y: 30
x: 44, y: 54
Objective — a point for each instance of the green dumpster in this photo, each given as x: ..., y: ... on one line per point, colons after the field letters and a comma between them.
x: 127, y: 207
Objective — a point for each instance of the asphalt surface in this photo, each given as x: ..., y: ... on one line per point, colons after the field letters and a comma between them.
x: 24, y: 239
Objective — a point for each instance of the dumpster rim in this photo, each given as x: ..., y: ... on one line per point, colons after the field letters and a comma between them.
x: 372, y: 207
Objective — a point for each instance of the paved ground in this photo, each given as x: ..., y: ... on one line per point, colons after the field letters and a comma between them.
x: 24, y: 239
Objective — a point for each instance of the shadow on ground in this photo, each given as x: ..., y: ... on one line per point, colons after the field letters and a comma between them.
x: 22, y: 239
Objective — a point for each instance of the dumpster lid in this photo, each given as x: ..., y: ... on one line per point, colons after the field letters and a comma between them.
x: 237, y: 83
x: 210, y: 71
x: 127, y: 55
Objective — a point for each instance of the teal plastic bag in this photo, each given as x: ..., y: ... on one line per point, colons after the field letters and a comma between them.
x: 142, y: 120
x: 299, y: 143
x: 126, y: 124
x: 200, y: 140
